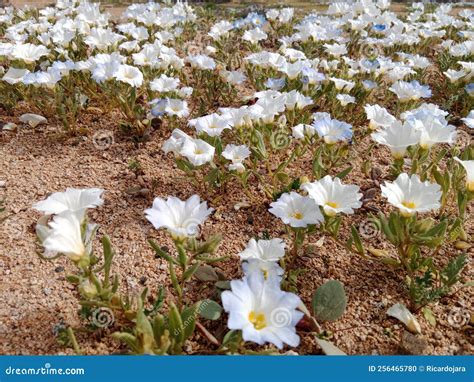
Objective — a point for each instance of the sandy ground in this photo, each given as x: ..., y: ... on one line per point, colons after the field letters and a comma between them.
x: 35, y: 297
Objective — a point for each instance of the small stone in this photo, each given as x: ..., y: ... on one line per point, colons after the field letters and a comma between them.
x: 412, y: 344
x: 59, y: 269
x: 47, y: 291
x: 143, y: 280
x: 2, y: 183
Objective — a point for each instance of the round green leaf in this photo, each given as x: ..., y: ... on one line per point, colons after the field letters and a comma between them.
x: 329, y: 301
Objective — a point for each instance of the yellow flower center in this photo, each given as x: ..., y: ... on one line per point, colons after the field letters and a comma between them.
x: 258, y: 320
x: 265, y: 274
x: 410, y: 205
x: 332, y: 204
x: 297, y: 215
x: 198, y: 151
x: 470, y: 186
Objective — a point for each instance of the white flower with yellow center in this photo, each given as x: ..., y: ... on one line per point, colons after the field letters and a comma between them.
x: 262, y: 311
x: 469, y: 167
x: 269, y: 269
x: 410, y: 195
x: 296, y: 210
x: 333, y: 196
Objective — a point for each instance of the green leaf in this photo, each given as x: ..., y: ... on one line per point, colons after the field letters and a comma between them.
x: 206, y: 273
x: 344, y: 173
x: 189, y: 319
x: 429, y: 316
x: 357, y: 240
x: 210, y: 309
x: 160, y: 253
x: 176, y: 324
x: 329, y: 301
x: 450, y: 274
x: 108, y: 256
x: 191, y: 271
x: 160, y: 298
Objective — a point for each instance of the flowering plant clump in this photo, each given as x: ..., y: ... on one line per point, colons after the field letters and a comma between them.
x: 317, y: 122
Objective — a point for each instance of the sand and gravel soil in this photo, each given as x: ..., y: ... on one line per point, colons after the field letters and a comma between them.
x: 35, y: 297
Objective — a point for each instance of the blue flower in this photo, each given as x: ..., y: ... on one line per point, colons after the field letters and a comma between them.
x: 379, y: 27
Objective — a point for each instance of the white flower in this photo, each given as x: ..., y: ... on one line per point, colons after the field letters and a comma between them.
x: 336, y: 49
x: 235, y: 77
x: 202, y: 62
x: 342, y: 84
x: 266, y: 250
x: 262, y: 311
x: 269, y: 269
x: 64, y: 236
x: 397, y: 137
x: 164, y: 84
x: 101, y: 38
x: 333, y: 196
x: 212, y: 124
x: 332, y: 130
x: 410, y: 195
x: 410, y: 91
x: 170, y: 106
x: 197, y: 151
x: 14, y: 76
x: 254, y: 35
x: 236, y: 154
x: 296, y: 210
x: 469, y: 167
x: 469, y: 120
x: 378, y: 116
x: 29, y: 52
x: 433, y: 129
x: 454, y: 75
x: 300, y: 131
x: 75, y: 200
x: 180, y: 218
x: 345, y: 99
x: 220, y: 29
x: 130, y: 75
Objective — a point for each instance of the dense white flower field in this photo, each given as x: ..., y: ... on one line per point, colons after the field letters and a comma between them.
x: 276, y: 103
